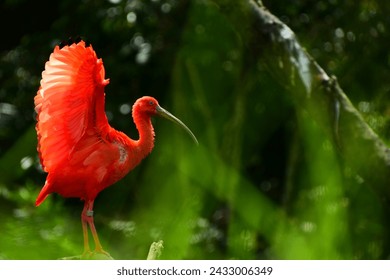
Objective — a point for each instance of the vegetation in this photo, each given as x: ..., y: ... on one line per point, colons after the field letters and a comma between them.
x: 293, y: 128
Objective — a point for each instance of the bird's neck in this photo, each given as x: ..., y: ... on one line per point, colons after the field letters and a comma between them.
x: 143, y: 123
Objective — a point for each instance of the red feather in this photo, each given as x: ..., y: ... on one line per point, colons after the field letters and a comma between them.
x: 76, y: 145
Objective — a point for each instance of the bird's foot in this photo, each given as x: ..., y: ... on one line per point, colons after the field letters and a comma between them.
x: 100, y: 254
x: 86, y: 255
x: 97, y: 254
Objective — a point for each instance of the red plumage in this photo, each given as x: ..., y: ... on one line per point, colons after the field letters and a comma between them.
x: 79, y: 150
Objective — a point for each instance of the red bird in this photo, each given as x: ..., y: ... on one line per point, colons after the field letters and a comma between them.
x: 79, y: 150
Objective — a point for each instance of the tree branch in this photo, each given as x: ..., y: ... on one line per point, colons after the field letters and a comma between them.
x: 311, y: 88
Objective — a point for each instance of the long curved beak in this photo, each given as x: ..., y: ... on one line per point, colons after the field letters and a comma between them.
x: 165, y: 114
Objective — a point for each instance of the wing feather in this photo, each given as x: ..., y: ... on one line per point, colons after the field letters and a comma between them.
x: 69, y: 101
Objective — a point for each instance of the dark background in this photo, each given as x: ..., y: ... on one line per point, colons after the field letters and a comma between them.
x: 263, y: 184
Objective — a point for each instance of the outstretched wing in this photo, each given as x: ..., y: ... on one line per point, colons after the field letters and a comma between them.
x: 69, y: 101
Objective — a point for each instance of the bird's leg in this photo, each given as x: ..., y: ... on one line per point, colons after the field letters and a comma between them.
x: 87, y: 218
x: 84, y: 222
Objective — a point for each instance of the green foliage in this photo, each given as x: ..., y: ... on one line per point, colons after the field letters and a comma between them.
x: 266, y: 182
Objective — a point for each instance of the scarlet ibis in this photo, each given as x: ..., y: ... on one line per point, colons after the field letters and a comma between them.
x: 79, y: 150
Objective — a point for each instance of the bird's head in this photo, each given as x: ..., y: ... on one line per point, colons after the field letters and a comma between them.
x: 149, y: 106
x: 146, y: 105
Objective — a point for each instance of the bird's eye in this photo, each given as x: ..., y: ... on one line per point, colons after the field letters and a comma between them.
x: 151, y: 103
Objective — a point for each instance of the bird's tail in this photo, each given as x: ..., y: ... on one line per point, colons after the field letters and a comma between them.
x: 43, y: 194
